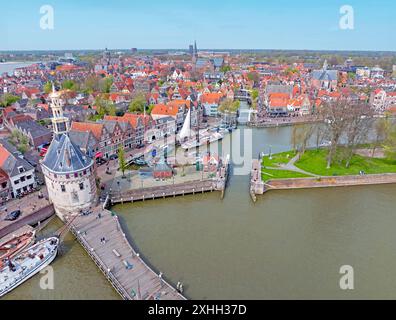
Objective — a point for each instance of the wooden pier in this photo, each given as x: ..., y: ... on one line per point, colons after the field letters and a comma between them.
x: 218, y: 183
x: 101, y: 235
x: 165, y: 191
x: 130, y: 276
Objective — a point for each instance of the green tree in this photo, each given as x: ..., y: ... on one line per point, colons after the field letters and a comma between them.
x: 351, y: 75
x: 150, y: 108
x: 70, y: 85
x: 228, y: 105
x: 8, y: 99
x: 47, y: 87
x: 111, y: 110
x: 101, y: 106
x: 121, y: 160
x: 390, y: 145
x: 105, y: 84
x: 225, y: 68
x: 254, y: 94
x: 91, y: 84
x: 253, y: 76
x: 290, y: 71
x: 138, y: 103
x: 15, y: 136
x: 382, y: 128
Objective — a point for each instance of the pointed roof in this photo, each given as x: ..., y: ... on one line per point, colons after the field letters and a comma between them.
x: 63, y: 156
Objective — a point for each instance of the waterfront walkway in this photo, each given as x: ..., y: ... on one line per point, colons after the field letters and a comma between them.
x: 290, y: 166
x: 191, y: 187
x: 132, y: 278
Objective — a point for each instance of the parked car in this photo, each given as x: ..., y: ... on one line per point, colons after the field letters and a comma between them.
x: 140, y: 162
x: 113, y: 157
x: 100, y: 161
x: 13, y: 215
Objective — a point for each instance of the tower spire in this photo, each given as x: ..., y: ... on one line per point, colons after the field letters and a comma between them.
x: 195, y: 48
x: 60, y: 123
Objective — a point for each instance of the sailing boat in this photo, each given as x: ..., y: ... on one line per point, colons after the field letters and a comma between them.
x: 188, y: 138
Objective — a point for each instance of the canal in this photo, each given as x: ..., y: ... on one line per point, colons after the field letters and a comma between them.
x: 288, y: 245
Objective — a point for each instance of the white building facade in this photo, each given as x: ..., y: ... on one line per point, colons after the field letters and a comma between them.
x: 70, y: 175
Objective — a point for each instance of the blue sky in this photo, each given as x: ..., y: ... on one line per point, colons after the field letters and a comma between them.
x: 215, y: 24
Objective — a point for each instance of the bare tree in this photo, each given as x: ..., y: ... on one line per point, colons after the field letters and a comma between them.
x: 335, y: 115
x: 390, y: 143
x: 300, y: 137
x: 320, y: 132
x: 359, y: 122
x: 381, y: 130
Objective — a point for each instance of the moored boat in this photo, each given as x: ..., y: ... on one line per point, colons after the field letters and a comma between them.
x: 15, y: 245
x: 27, y: 263
x: 188, y: 137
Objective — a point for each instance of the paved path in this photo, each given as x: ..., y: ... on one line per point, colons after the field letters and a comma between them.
x: 290, y: 166
x: 28, y: 204
x: 136, y: 282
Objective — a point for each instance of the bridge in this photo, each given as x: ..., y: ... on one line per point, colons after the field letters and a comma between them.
x: 245, y: 115
x: 243, y: 95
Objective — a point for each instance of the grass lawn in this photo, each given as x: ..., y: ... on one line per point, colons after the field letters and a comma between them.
x: 315, y: 161
x: 268, y: 174
x: 278, y: 158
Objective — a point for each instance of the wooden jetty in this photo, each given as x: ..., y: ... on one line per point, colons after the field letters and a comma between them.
x: 164, y: 191
x: 131, y: 277
x: 218, y: 183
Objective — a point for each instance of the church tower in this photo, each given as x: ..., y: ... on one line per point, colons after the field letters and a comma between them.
x: 70, y: 175
x: 60, y: 123
x: 195, y: 54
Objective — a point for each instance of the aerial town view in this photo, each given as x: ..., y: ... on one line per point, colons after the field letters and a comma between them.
x: 220, y: 150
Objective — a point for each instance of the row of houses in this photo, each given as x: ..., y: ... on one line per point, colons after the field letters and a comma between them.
x: 35, y: 133
x: 17, y: 176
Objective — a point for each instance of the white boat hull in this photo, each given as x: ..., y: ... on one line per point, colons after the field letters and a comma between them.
x: 203, y: 141
x: 6, y: 286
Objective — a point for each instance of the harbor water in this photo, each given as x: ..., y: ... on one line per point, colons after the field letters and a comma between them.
x: 287, y: 245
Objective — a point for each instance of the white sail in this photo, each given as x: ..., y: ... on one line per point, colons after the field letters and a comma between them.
x: 185, y: 132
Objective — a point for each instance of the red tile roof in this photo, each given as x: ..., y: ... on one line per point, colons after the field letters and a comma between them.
x: 95, y: 128
x: 161, y: 109
x: 4, y: 154
x: 211, y: 97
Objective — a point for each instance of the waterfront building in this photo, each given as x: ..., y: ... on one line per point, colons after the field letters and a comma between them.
x: 20, y: 172
x: 69, y: 174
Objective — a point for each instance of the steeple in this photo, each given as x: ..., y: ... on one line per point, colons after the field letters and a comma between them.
x: 195, y: 53
x: 325, y: 65
x: 195, y: 48
x: 60, y: 123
